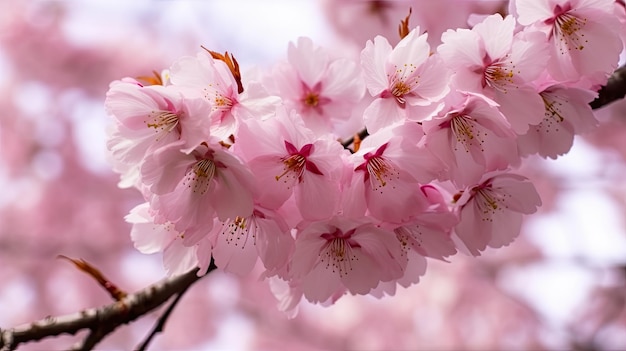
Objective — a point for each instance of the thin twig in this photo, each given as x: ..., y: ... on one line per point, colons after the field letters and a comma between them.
x: 362, y: 134
x: 160, y: 325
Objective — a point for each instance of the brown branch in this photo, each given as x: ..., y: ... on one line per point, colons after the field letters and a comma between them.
x: 361, y: 135
x: 101, y: 321
x: 160, y: 325
x: 615, y: 89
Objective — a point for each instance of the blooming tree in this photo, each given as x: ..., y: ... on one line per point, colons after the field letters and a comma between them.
x: 349, y: 174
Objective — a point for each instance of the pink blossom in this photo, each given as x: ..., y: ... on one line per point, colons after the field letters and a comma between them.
x: 567, y: 113
x: 150, y: 238
x: 406, y: 81
x: 149, y: 117
x: 321, y: 89
x: 189, y: 189
x: 288, y: 159
x: 211, y: 79
x: 578, y: 30
x: 428, y: 233
x: 491, y: 212
x: 471, y: 137
x: 386, y: 172
x: 489, y: 59
x: 344, y: 254
x: 241, y: 240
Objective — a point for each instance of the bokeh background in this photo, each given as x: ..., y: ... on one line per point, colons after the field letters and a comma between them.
x: 561, y: 285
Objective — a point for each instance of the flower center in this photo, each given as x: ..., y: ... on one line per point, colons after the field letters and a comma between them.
x: 294, y: 166
x: 567, y: 29
x: 200, y: 177
x: 219, y: 101
x: 497, y: 76
x: 379, y: 168
x: 311, y: 100
x: 162, y: 121
x: 402, y: 82
x: 399, y: 89
x: 488, y: 201
x: 239, y: 230
x: 296, y: 163
x: 337, y: 252
x: 465, y: 131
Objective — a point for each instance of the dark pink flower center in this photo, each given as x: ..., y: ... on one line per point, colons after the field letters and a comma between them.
x: 296, y: 162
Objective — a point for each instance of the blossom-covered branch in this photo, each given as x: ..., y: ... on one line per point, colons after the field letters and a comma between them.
x: 100, y: 321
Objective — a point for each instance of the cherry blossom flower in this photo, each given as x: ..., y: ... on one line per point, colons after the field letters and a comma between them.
x: 149, y: 117
x: 567, y: 112
x: 471, y: 137
x: 241, y: 240
x: 491, y: 212
x: 149, y: 237
x: 386, y: 172
x: 428, y: 233
x: 212, y: 79
x: 577, y: 31
x: 344, y: 254
x: 489, y: 59
x: 321, y: 89
x: 190, y: 189
x: 288, y: 159
x: 406, y: 81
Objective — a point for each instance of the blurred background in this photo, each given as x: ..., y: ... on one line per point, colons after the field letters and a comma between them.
x: 561, y: 285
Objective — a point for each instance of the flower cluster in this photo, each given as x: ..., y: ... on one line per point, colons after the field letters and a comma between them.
x: 261, y: 167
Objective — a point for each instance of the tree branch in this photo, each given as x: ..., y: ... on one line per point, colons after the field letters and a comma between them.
x: 614, y: 89
x: 160, y: 325
x: 104, y: 320
x: 362, y: 135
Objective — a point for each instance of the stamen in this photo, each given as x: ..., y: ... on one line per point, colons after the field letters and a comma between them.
x: 219, y: 102
x: 338, y: 256
x: 239, y: 230
x: 567, y: 28
x: 294, y: 166
x: 466, y: 133
x: 552, y: 115
x: 200, y: 177
x: 382, y: 171
x: 498, y: 76
x: 489, y: 202
x: 402, y: 81
x: 162, y: 121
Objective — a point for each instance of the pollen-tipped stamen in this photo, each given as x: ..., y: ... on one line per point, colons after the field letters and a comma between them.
x: 294, y: 164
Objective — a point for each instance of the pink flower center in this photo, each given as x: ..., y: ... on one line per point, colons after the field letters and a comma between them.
x: 312, y: 97
x: 297, y: 162
x: 378, y: 167
x: 220, y: 101
x: 401, y: 83
x: 239, y: 230
x: 337, y: 252
x: 464, y: 130
x: 399, y: 90
x: 566, y: 28
x: 497, y: 75
x: 162, y: 121
x: 200, y: 177
x: 488, y: 201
